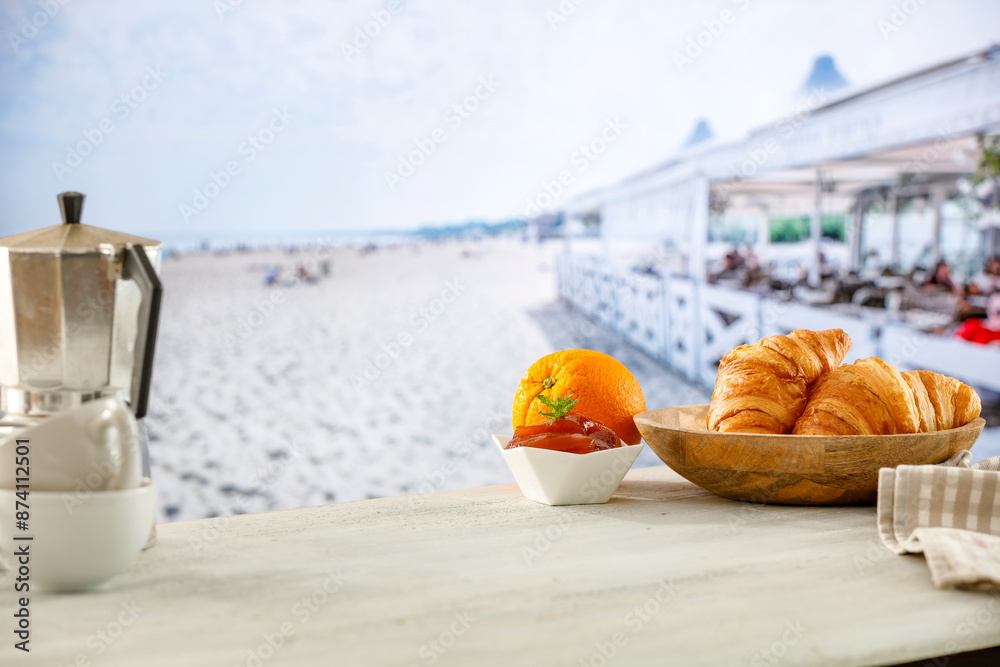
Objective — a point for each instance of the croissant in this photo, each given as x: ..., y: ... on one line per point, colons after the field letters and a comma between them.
x: 763, y: 388
x: 943, y: 401
x: 871, y: 397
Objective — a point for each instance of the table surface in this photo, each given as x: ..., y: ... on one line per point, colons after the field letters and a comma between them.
x: 665, y: 573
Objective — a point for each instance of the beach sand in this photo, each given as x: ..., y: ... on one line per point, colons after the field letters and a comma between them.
x: 385, y: 378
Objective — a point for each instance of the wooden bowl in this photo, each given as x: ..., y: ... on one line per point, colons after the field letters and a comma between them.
x: 790, y: 469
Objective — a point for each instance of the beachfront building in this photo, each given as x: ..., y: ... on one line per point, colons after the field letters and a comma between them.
x: 876, y: 183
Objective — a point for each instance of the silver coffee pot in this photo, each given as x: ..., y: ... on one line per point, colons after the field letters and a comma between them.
x: 78, y: 313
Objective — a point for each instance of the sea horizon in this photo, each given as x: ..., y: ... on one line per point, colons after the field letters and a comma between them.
x: 222, y: 240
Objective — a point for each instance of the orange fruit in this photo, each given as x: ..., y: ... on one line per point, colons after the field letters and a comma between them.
x: 607, y: 391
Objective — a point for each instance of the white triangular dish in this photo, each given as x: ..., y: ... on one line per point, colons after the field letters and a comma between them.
x: 561, y: 478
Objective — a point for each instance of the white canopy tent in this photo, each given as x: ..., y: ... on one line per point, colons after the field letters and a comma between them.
x: 852, y: 185
x: 912, y: 136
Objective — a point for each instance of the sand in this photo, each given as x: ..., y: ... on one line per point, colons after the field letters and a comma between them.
x: 384, y: 379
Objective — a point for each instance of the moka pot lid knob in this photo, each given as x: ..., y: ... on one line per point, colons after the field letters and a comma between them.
x: 71, y: 207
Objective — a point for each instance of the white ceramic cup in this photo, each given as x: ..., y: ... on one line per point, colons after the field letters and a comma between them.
x: 95, y: 447
x: 79, y: 541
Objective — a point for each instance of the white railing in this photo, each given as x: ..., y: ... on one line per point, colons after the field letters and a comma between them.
x: 784, y: 316
x: 642, y: 317
x: 689, y: 326
x: 729, y: 318
x: 681, y: 325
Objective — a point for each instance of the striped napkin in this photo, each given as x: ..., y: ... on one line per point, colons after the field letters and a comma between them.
x: 950, y: 512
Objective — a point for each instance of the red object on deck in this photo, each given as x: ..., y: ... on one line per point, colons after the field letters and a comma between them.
x: 974, y: 331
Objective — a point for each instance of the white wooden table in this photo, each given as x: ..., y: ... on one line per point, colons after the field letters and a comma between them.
x: 664, y: 574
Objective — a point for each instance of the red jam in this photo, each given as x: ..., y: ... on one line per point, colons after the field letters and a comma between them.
x: 573, y: 433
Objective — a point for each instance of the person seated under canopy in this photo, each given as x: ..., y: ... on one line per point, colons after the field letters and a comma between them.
x: 988, y: 281
x: 940, y: 279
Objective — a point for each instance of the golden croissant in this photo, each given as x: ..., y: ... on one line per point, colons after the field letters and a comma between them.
x: 871, y: 397
x: 763, y: 388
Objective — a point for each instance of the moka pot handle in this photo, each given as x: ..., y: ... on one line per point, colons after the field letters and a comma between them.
x: 137, y: 267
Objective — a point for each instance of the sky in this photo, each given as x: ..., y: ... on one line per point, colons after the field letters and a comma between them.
x: 238, y: 117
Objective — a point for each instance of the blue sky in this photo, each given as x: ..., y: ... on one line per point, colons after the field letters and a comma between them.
x: 227, y: 116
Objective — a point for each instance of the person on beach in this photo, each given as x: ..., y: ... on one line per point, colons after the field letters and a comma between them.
x: 304, y: 275
x: 271, y: 276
